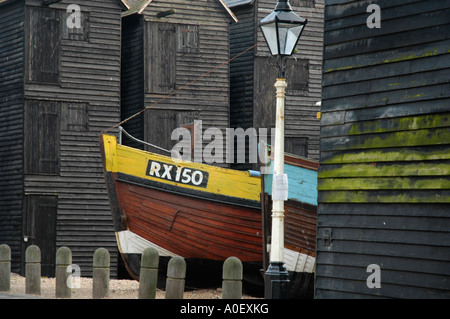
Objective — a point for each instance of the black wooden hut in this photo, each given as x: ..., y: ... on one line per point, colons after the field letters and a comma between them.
x: 253, y: 75
x: 59, y: 88
x: 384, y: 176
x: 165, y: 46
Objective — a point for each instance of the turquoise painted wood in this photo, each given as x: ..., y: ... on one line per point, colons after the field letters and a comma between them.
x: 302, y: 183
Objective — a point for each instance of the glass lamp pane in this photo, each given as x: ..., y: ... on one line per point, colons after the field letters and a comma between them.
x: 283, y: 33
x: 292, y: 36
x: 270, y: 33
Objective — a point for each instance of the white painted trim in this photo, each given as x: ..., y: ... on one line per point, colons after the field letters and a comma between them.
x: 144, y: 6
x: 229, y: 10
x: 130, y: 243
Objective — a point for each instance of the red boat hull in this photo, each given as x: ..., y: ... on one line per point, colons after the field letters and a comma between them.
x: 204, y: 231
x: 190, y: 227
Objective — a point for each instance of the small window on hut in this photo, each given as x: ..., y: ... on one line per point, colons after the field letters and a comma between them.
x: 187, y: 38
x: 42, y: 127
x: 296, y: 145
x: 160, y: 57
x: 76, y: 28
x: 160, y: 125
x: 303, y: 3
x: 297, y: 72
x: 43, y: 45
x: 75, y: 116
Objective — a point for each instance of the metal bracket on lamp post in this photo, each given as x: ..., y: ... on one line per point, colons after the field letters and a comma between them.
x: 281, y: 62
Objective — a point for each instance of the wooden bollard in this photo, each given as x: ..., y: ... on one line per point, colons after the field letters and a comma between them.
x: 100, y: 282
x: 232, y: 279
x: 5, y: 268
x: 148, y: 276
x: 63, y: 262
x: 176, y: 274
x: 33, y: 270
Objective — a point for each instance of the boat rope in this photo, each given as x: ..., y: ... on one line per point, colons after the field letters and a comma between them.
x: 181, y: 88
x: 122, y: 130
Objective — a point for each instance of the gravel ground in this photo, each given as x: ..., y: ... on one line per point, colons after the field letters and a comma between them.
x: 119, y: 289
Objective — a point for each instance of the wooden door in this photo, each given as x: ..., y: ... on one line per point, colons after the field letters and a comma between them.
x: 42, y: 137
x: 159, y: 125
x: 160, y: 58
x: 40, y: 229
x: 43, y: 45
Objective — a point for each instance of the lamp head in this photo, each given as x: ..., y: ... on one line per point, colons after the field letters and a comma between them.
x: 282, y: 29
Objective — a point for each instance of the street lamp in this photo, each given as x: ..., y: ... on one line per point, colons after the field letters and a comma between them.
x: 282, y: 29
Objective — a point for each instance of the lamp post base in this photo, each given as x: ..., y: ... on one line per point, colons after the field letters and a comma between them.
x: 276, y: 284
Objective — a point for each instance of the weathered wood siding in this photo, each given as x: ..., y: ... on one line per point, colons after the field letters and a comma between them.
x: 178, y: 49
x: 11, y: 132
x: 384, y: 191
x: 242, y: 37
x: 60, y: 87
x: 86, y: 100
x: 254, y: 74
x: 132, y: 76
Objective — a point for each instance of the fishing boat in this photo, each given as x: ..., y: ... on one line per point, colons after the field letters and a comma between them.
x: 300, y: 221
x: 200, y: 212
x: 206, y: 214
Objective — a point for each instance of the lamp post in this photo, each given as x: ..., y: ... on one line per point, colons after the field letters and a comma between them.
x: 282, y: 29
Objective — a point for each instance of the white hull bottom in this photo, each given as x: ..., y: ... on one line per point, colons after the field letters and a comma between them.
x: 298, y: 262
x: 130, y: 243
